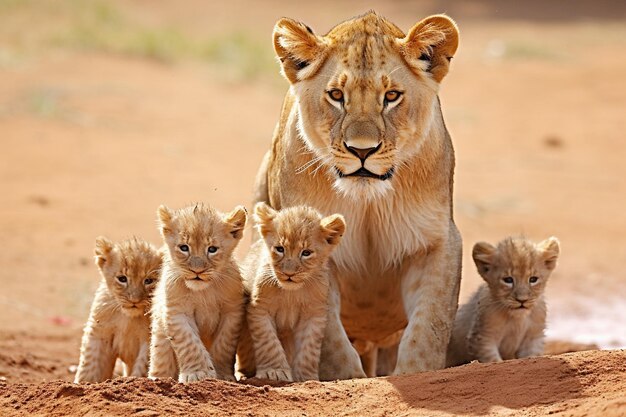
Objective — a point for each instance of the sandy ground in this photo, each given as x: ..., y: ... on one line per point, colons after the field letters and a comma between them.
x: 565, y: 385
x: 93, y: 140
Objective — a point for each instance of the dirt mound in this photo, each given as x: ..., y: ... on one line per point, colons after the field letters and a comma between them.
x: 584, y: 383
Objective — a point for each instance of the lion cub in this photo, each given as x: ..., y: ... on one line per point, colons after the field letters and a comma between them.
x: 119, y: 324
x: 506, y: 317
x: 287, y: 277
x: 198, y: 305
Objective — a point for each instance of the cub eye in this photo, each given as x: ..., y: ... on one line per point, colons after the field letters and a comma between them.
x: 306, y: 253
x: 148, y: 281
x: 279, y: 249
x: 212, y: 249
x: 508, y: 280
x: 183, y: 248
x: 336, y: 95
x: 391, y: 96
x: 122, y: 279
x: 533, y: 280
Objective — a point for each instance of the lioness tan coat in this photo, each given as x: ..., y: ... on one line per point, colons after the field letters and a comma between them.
x: 361, y: 133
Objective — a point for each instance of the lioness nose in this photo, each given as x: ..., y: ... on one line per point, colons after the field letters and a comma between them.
x: 360, y: 153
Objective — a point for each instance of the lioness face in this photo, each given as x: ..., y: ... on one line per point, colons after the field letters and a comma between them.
x: 366, y: 93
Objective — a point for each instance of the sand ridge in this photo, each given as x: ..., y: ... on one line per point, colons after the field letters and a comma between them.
x: 577, y: 384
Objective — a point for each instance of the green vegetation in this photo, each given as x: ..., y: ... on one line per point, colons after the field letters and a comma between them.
x: 97, y: 25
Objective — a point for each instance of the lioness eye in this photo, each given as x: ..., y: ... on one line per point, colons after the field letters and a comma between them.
x: 391, y: 96
x: 508, y: 280
x: 148, y: 281
x: 533, y: 280
x: 122, y: 279
x: 306, y: 253
x: 279, y: 249
x: 336, y: 95
x: 184, y: 248
x: 212, y: 249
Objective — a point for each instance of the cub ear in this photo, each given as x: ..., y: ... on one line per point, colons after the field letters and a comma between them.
x: 550, y: 250
x: 333, y: 228
x: 166, y: 220
x: 236, y: 219
x: 483, y: 255
x: 300, y: 51
x: 264, y: 217
x: 161, y: 253
x: 103, y: 251
x: 430, y: 45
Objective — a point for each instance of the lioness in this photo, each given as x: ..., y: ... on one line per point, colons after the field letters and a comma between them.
x: 361, y: 133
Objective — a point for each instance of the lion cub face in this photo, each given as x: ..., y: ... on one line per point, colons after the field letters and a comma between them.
x: 131, y: 269
x: 298, y: 240
x: 516, y: 270
x: 200, y: 241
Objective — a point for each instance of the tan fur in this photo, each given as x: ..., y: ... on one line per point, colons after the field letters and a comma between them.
x: 198, y: 304
x: 399, y: 266
x: 505, y: 321
x: 119, y: 321
x: 288, y: 291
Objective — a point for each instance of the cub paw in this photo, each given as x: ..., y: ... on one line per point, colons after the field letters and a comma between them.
x: 275, y: 374
x: 196, y: 376
x: 305, y: 376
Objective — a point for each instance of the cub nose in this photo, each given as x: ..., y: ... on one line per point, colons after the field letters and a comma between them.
x: 135, y: 299
x: 362, y: 153
x: 196, y: 264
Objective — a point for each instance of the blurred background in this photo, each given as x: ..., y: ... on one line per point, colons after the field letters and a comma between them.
x: 110, y: 108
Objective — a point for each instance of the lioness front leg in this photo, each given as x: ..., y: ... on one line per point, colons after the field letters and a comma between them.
x: 339, y: 359
x: 430, y: 289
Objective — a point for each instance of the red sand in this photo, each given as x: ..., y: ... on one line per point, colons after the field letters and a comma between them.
x: 580, y: 384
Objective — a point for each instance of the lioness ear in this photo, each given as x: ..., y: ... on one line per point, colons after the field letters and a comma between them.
x: 333, y: 228
x: 103, y: 251
x: 550, y: 250
x: 430, y: 45
x: 483, y: 254
x: 264, y: 216
x: 300, y: 51
x: 165, y: 220
x: 236, y: 219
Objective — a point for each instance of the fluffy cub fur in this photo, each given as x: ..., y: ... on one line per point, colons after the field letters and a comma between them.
x: 287, y: 277
x: 506, y: 317
x: 198, y: 304
x: 119, y: 323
